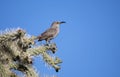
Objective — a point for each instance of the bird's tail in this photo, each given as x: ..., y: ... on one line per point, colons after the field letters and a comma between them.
x: 39, y: 38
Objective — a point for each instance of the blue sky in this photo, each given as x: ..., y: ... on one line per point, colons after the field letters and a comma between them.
x: 88, y: 44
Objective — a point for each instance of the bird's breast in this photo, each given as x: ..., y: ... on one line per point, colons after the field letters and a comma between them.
x: 57, y: 31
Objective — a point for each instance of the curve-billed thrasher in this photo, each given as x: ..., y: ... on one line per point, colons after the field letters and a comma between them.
x: 50, y: 33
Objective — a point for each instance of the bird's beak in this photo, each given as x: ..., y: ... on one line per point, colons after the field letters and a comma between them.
x: 62, y: 22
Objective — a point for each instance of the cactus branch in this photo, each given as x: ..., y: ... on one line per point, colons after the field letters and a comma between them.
x: 17, y: 50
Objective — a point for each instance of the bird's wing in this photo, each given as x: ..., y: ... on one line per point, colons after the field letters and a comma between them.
x: 49, y: 32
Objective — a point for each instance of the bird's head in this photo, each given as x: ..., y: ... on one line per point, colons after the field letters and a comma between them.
x: 57, y: 23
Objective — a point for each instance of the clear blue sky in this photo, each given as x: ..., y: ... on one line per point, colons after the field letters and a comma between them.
x: 88, y: 44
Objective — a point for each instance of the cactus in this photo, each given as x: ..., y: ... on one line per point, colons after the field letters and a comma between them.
x: 17, y: 50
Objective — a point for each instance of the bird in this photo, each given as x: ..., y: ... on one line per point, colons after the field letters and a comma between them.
x: 51, y: 32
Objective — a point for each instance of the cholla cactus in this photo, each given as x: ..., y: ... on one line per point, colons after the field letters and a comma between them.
x: 16, y: 51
